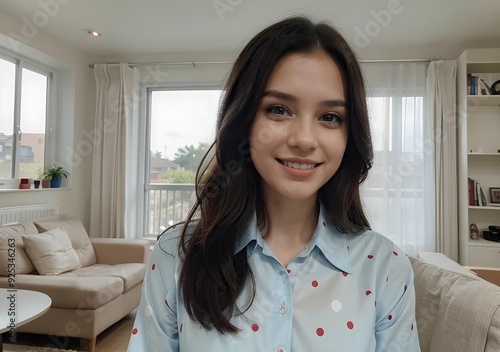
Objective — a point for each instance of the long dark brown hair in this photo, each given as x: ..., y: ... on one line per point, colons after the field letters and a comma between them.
x: 228, y: 187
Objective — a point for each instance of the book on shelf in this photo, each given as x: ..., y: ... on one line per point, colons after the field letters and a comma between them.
x: 476, y: 194
x: 477, y: 85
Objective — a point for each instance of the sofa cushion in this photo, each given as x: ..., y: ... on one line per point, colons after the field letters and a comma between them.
x: 130, y: 273
x: 51, y: 252
x: 453, y: 311
x: 78, y: 236
x: 23, y: 264
x: 72, y: 292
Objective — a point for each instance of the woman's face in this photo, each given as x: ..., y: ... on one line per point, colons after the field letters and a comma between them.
x: 299, y: 134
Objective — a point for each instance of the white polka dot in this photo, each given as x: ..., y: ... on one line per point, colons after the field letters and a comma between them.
x: 336, y: 305
x: 148, y: 311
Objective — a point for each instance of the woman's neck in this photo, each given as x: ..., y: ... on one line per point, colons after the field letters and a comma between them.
x: 291, y: 224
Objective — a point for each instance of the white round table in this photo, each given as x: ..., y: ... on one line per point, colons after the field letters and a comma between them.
x: 18, y: 307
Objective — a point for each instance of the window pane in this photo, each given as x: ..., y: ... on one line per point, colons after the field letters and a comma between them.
x: 33, y: 116
x: 182, y: 128
x: 7, y: 85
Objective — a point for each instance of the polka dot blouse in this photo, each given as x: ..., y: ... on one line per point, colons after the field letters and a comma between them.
x: 341, y: 293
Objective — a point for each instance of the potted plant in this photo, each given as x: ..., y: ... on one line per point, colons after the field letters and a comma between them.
x: 55, y: 174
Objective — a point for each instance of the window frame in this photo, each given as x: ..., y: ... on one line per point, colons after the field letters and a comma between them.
x: 146, y: 128
x: 21, y: 63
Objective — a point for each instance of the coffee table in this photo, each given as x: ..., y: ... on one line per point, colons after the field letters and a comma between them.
x: 18, y: 307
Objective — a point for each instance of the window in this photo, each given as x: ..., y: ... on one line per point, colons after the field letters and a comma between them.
x: 24, y: 106
x: 181, y: 128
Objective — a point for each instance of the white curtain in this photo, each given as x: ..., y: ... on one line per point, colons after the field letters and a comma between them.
x: 114, y: 116
x: 399, y: 193
x: 441, y: 109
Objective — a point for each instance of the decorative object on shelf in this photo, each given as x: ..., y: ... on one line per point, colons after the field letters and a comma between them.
x: 495, y: 194
x: 493, y: 233
x: 495, y: 88
x: 474, y: 232
x: 36, y: 183
x: 45, y: 183
x: 55, y: 174
x: 24, y: 183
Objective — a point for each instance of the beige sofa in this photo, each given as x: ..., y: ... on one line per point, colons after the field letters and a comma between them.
x: 456, y: 310
x: 104, y: 286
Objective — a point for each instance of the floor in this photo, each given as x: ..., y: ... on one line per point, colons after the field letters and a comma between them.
x: 113, y: 339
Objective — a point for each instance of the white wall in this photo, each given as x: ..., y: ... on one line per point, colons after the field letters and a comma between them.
x: 75, y: 111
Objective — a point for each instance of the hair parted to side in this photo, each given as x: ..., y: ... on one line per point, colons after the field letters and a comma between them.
x: 228, y: 189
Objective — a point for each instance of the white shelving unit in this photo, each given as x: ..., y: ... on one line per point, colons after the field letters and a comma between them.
x: 478, y: 129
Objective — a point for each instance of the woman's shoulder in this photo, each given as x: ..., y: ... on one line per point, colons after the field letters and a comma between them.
x: 374, y: 241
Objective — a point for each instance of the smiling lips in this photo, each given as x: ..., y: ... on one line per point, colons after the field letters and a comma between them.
x: 299, y: 169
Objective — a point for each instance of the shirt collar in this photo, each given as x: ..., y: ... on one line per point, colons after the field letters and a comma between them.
x: 331, y: 242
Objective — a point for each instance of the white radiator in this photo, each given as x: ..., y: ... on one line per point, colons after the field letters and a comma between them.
x: 27, y: 212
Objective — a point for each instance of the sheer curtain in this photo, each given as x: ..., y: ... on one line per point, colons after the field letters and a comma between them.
x: 110, y: 196
x: 399, y: 193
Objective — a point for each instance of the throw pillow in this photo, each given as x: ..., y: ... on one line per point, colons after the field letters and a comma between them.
x: 77, y: 234
x: 11, y: 235
x: 51, y: 252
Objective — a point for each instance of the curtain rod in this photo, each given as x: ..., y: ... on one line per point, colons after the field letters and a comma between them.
x: 194, y: 63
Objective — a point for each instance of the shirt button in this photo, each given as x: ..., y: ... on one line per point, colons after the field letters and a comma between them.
x: 279, y: 349
x: 283, y: 309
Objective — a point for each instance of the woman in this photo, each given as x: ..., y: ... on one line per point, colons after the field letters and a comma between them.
x: 277, y: 254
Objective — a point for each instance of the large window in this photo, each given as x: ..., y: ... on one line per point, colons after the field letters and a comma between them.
x: 24, y: 106
x: 181, y: 128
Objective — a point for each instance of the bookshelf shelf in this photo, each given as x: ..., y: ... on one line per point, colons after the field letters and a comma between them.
x: 483, y: 100
x: 478, y: 129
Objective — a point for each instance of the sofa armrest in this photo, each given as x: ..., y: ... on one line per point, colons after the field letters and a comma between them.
x: 119, y: 251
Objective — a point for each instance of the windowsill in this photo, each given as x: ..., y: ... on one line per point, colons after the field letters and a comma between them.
x: 12, y: 190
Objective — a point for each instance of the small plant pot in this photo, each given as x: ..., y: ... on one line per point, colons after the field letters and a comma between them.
x: 55, y: 182
x: 36, y: 183
x: 45, y: 183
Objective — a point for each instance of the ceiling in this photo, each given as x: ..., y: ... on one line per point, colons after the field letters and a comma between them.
x: 379, y: 29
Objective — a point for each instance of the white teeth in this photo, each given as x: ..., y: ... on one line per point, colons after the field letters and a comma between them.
x: 298, y: 166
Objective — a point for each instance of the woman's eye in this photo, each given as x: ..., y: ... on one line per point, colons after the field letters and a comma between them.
x: 277, y: 110
x: 331, y: 118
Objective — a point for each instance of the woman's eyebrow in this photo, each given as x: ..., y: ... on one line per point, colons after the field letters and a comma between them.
x: 291, y: 98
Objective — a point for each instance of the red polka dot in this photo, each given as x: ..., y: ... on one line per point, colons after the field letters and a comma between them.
x: 255, y: 328
x: 368, y: 292
x: 135, y: 331
x: 289, y: 271
x: 153, y: 267
x: 389, y: 317
x: 411, y: 326
x: 324, y: 224
x: 320, y: 332
x: 406, y: 286
x: 344, y: 273
x: 395, y: 253
x: 314, y: 283
x: 350, y: 325
x: 370, y: 256
x: 166, y: 302
x: 180, y: 329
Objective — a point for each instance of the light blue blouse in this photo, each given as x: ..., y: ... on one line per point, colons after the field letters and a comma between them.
x: 341, y: 293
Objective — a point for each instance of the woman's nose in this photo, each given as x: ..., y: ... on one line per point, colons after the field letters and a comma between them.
x: 302, y: 135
